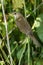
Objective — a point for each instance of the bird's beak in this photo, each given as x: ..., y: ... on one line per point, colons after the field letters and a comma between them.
x: 12, y: 14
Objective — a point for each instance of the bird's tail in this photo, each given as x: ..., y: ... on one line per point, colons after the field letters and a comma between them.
x: 35, y: 41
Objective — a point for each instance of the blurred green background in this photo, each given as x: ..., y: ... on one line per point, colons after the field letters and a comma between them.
x: 23, y: 50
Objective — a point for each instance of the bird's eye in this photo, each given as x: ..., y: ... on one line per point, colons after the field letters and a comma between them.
x: 15, y: 13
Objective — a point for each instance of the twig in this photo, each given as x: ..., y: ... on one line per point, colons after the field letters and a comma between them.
x: 34, y: 9
x: 6, y: 31
x: 29, y: 51
x: 24, y: 9
x: 9, y: 33
x: 11, y: 52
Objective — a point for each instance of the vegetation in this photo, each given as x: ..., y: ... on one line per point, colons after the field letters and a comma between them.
x: 15, y: 47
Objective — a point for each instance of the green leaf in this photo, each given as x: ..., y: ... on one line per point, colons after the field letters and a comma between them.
x: 1, y: 62
x: 20, y: 52
x: 10, y: 26
x: 39, y: 26
x: 0, y: 15
x: 3, y: 31
x: 39, y: 62
x: 17, y: 4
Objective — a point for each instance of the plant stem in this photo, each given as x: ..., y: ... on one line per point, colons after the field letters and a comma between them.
x: 6, y: 31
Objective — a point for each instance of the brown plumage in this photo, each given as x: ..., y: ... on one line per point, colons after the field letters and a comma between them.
x: 24, y: 27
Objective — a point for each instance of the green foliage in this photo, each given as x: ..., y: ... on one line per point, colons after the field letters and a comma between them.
x: 17, y: 4
x: 39, y: 30
x: 23, y: 51
x: 1, y: 62
x: 39, y: 26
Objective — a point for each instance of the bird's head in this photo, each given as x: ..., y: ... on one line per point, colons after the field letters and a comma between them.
x: 16, y: 15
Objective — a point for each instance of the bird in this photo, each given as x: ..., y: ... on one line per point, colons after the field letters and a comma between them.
x: 25, y: 27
